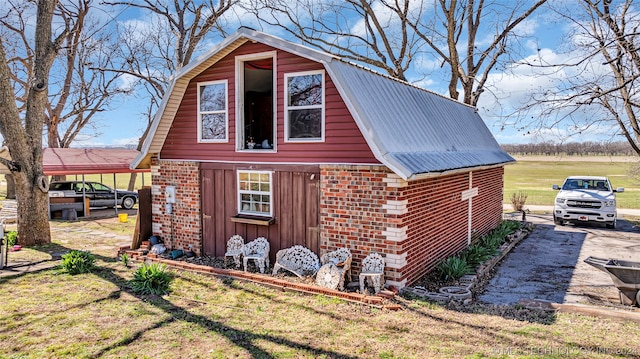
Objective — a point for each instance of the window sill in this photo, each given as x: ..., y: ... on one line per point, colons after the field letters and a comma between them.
x: 255, y: 150
x: 257, y: 220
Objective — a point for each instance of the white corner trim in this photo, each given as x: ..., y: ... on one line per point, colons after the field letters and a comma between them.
x: 396, y: 261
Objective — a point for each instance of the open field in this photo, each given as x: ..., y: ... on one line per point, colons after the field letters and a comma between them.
x: 535, y: 176
x: 54, y: 315
x: 564, y: 158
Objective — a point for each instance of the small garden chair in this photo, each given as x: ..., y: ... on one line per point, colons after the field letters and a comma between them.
x: 341, y: 258
x: 234, y: 249
x: 258, y: 251
x: 372, y: 271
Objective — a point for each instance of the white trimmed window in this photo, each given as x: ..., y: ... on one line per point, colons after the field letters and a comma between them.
x: 255, y: 193
x: 304, y: 106
x: 213, y: 115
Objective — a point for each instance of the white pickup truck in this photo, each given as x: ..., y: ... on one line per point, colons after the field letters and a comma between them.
x: 586, y: 199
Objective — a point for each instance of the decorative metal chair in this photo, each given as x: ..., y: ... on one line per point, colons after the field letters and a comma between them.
x: 341, y: 258
x: 298, y: 260
x: 234, y: 249
x: 372, y: 271
x: 258, y: 251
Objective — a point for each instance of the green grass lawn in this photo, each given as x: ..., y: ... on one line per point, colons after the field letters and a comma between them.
x: 536, y: 178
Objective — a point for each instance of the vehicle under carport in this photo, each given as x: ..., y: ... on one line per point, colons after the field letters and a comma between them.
x: 79, y: 162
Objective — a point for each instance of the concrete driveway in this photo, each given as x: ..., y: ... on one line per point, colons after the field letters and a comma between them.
x: 549, y: 264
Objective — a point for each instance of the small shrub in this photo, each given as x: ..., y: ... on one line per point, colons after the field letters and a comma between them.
x: 124, y: 258
x: 477, y: 254
x: 453, y: 268
x: 77, y: 262
x: 492, y: 240
x: 484, y: 249
x: 518, y: 200
x: 511, y: 226
x: 11, y: 237
x: 151, y: 279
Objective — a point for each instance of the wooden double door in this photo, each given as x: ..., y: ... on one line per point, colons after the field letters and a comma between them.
x: 296, y: 207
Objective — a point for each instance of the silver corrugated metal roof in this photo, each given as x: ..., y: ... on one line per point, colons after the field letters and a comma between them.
x: 416, y: 130
x: 409, y: 129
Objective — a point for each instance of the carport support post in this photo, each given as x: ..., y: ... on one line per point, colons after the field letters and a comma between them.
x: 115, y: 193
x: 467, y: 195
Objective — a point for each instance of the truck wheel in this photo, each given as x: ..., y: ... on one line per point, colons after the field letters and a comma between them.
x: 128, y: 202
x: 612, y: 225
x: 558, y: 221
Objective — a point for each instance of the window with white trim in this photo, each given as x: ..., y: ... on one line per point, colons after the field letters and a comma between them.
x: 213, y: 115
x: 255, y: 193
x: 304, y: 106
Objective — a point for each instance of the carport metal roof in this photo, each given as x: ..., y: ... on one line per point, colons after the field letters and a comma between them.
x: 72, y: 161
x: 67, y: 161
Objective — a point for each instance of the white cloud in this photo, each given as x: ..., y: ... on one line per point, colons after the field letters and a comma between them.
x: 125, y: 141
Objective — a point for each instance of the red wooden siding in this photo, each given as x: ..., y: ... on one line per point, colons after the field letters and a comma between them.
x: 295, y: 207
x: 343, y: 141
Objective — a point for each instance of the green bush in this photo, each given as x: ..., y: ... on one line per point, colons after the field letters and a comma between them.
x: 510, y: 225
x: 466, y: 261
x: 11, y: 238
x: 77, y: 262
x: 151, y: 279
x: 453, y: 268
x: 124, y: 258
x: 492, y: 241
x: 476, y: 254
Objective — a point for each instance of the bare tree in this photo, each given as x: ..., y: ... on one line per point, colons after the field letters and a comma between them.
x: 24, y: 134
x: 376, y: 33
x: 77, y: 90
x: 84, y: 90
x: 152, y: 52
x: 597, y: 86
x: 395, y: 34
x: 457, y: 24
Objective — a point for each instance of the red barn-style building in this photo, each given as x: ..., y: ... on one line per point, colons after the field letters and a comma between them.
x: 264, y: 137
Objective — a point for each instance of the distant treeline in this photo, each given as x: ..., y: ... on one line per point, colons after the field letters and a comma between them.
x: 571, y: 149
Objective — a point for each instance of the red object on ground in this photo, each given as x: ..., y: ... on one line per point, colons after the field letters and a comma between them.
x: 15, y: 248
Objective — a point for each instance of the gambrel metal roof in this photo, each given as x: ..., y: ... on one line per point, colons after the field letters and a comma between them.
x: 413, y: 131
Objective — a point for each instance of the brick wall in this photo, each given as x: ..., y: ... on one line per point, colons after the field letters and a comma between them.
x: 183, y: 227
x: 353, y: 212
x: 414, y: 224
x: 365, y: 208
x: 486, y: 215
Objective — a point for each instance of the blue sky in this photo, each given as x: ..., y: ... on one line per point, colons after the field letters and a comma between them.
x: 124, y: 123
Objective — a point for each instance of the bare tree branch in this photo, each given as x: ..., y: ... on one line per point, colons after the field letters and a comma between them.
x: 599, y: 88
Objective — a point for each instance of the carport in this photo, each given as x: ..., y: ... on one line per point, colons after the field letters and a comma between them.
x: 86, y: 161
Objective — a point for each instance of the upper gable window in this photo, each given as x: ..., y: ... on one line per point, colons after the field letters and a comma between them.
x: 304, y: 106
x: 213, y: 116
